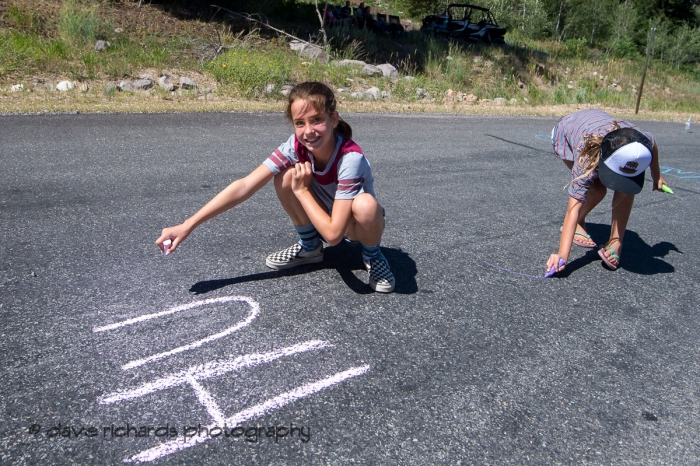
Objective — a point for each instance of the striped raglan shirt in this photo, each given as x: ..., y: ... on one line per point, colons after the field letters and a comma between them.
x: 569, y: 138
x: 346, y: 175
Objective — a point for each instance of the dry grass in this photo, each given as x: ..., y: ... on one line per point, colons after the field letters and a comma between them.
x: 154, y: 102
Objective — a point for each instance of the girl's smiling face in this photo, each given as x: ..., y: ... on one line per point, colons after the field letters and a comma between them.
x: 313, y: 129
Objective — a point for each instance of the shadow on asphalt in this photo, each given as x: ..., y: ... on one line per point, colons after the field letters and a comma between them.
x: 637, y: 256
x: 345, y: 258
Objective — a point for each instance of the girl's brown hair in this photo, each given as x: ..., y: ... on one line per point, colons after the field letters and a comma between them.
x: 322, y: 99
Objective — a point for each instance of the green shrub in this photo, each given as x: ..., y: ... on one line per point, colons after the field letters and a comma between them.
x: 79, y: 23
x: 249, y: 71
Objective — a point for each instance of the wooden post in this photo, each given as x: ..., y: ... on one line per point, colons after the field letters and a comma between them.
x: 646, y: 63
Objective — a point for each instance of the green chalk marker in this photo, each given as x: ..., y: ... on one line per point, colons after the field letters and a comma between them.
x: 666, y: 189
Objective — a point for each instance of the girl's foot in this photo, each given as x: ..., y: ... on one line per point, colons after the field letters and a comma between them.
x: 581, y: 238
x: 610, y: 253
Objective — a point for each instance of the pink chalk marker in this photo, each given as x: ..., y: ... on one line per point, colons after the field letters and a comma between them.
x: 166, y: 247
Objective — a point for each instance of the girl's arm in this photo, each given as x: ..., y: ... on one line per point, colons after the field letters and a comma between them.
x: 567, y: 235
x: 656, y: 175
x: 332, y: 228
x: 231, y: 196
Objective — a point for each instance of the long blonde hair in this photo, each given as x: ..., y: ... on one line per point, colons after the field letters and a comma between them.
x: 589, y: 158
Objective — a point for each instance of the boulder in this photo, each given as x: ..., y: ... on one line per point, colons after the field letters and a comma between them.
x: 166, y: 83
x: 297, y: 45
x: 286, y: 89
x: 65, y: 86
x: 187, y: 83
x: 389, y: 70
x: 357, y: 63
x: 370, y: 94
x: 100, y: 45
x: 125, y: 86
x: 371, y: 70
x: 315, y: 52
x: 142, y: 84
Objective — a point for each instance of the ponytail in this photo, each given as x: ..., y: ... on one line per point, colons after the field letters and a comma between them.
x: 343, y: 129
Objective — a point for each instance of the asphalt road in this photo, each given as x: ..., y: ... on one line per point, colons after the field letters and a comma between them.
x: 112, y: 353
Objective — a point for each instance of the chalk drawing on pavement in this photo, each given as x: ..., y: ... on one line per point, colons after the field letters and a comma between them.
x: 194, y: 375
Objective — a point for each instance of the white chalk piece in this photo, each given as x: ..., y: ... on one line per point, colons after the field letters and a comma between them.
x: 166, y: 247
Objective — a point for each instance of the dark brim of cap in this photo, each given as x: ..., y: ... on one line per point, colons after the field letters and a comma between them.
x: 619, y: 183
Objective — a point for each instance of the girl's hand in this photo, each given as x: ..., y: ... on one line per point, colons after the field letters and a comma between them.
x: 176, y: 234
x: 658, y: 183
x: 553, y: 262
x: 301, y: 177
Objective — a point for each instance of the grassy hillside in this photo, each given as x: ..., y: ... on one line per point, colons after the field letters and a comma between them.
x: 43, y: 42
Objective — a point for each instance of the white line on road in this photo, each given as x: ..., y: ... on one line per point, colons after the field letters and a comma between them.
x: 254, y: 411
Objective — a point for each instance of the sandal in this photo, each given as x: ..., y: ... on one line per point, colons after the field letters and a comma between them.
x: 578, y: 242
x: 610, y: 265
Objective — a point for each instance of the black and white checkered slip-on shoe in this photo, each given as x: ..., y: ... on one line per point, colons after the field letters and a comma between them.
x: 380, y: 277
x: 294, y: 256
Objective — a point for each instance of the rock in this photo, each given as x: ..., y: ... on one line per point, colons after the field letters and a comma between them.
x: 420, y: 92
x: 37, y: 81
x: 372, y: 93
x: 146, y: 76
x: 371, y: 70
x: 118, y: 30
x: 297, y: 45
x: 500, y: 101
x: 269, y: 89
x: 100, y: 45
x: 667, y: 91
x: 570, y: 85
x: 471, y: 98
x: 65, y: 86
x: 208, y: 90
x: 358, y: 63
x: 286, y: 89
x: 187, y: 83
x: 17, y: 88
x: 389, y: 70
x: 450, y: 94
x: 386, y: 95
x: 595, y: 73
x: 165, y: 82
x: 125, y: 86
x: 315, y: 52
x: 142, y: 84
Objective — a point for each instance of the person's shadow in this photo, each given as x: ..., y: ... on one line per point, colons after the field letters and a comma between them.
x: 637, y: 256
x: 345, y: 258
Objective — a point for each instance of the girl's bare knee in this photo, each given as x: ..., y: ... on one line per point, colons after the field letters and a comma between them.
x: 365, y: 209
